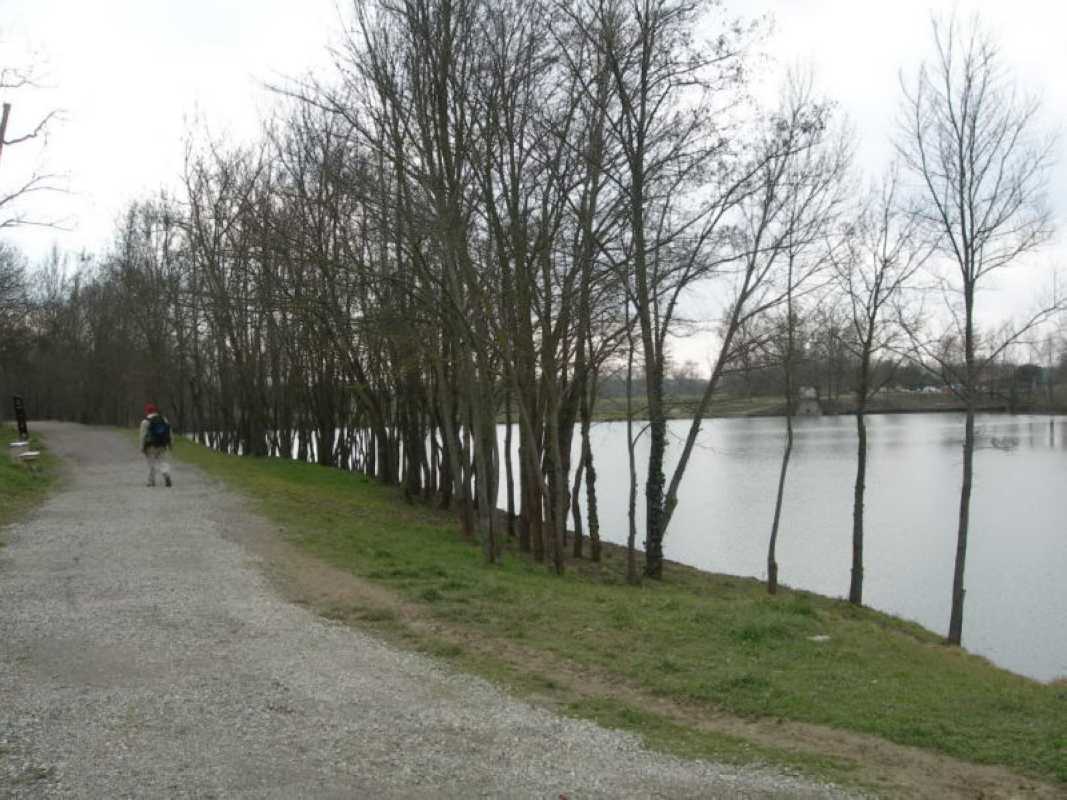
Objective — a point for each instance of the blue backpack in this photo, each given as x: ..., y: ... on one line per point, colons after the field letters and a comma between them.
x: 158, y: 432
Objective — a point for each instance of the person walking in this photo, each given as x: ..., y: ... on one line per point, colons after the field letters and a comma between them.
x: 155, y: 442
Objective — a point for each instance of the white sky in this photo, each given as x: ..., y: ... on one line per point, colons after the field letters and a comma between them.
x: 131, y: 74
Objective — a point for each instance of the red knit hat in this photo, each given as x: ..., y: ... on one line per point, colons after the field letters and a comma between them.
x: 150, y: 408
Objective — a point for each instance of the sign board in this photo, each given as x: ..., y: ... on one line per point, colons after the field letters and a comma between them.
x: 20, y: 417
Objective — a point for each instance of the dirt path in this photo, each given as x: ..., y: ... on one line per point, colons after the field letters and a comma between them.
x: 144, y: 652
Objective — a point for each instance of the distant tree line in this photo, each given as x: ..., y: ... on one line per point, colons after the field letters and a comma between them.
x: 499, y: 212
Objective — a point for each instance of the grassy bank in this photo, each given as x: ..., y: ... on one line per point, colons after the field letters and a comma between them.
x: 22, y: 487
x: 673, y: 653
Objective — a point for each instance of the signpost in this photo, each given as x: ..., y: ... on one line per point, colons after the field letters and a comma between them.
x: 20, y: 418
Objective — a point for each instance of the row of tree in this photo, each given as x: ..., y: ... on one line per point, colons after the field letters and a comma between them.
x: 492, y: 207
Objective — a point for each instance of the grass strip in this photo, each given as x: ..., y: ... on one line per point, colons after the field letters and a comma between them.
x: 702, y: 640
x: 23, y: 486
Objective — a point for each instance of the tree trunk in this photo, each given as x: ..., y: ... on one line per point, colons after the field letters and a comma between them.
x: 855, y: 589
x: 772, y: 564
x: 654, y: 523
x: 576, y: 509
x: 531, y: 529
x: 509, y: 473
x: 593, y: 518
x: 595, y: 549
x: 466, y: 499
x: 557, y: 496
x: 955, y: 624
x: 631, y: 556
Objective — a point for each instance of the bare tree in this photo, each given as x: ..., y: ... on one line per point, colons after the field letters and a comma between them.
x: 881, y: 252
x: 28, y: 181
x: 973, y: 141
x: 814, y: 190
x: 783, y: 209
x: 671, y: 118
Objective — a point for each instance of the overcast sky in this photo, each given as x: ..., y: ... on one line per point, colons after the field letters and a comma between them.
x: 131, y: 74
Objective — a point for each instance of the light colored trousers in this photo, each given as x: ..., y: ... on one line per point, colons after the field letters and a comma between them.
x: 157, y: 459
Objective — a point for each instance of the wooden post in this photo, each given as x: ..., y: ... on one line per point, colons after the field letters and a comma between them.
x: 20, y: 418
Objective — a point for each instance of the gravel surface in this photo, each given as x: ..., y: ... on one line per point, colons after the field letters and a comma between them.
x: 144, y: 654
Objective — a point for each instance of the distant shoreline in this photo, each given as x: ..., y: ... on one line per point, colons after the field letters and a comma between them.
x: 679, y: 410
x: 937, y: 410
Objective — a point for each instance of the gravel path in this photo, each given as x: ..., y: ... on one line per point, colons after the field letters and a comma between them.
x: 144, y: 654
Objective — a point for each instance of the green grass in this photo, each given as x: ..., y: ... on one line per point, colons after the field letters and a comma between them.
x: 22, y: 487
x: 700, y: 640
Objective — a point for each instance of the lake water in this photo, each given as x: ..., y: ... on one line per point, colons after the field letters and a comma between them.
x: 1016, y: 580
